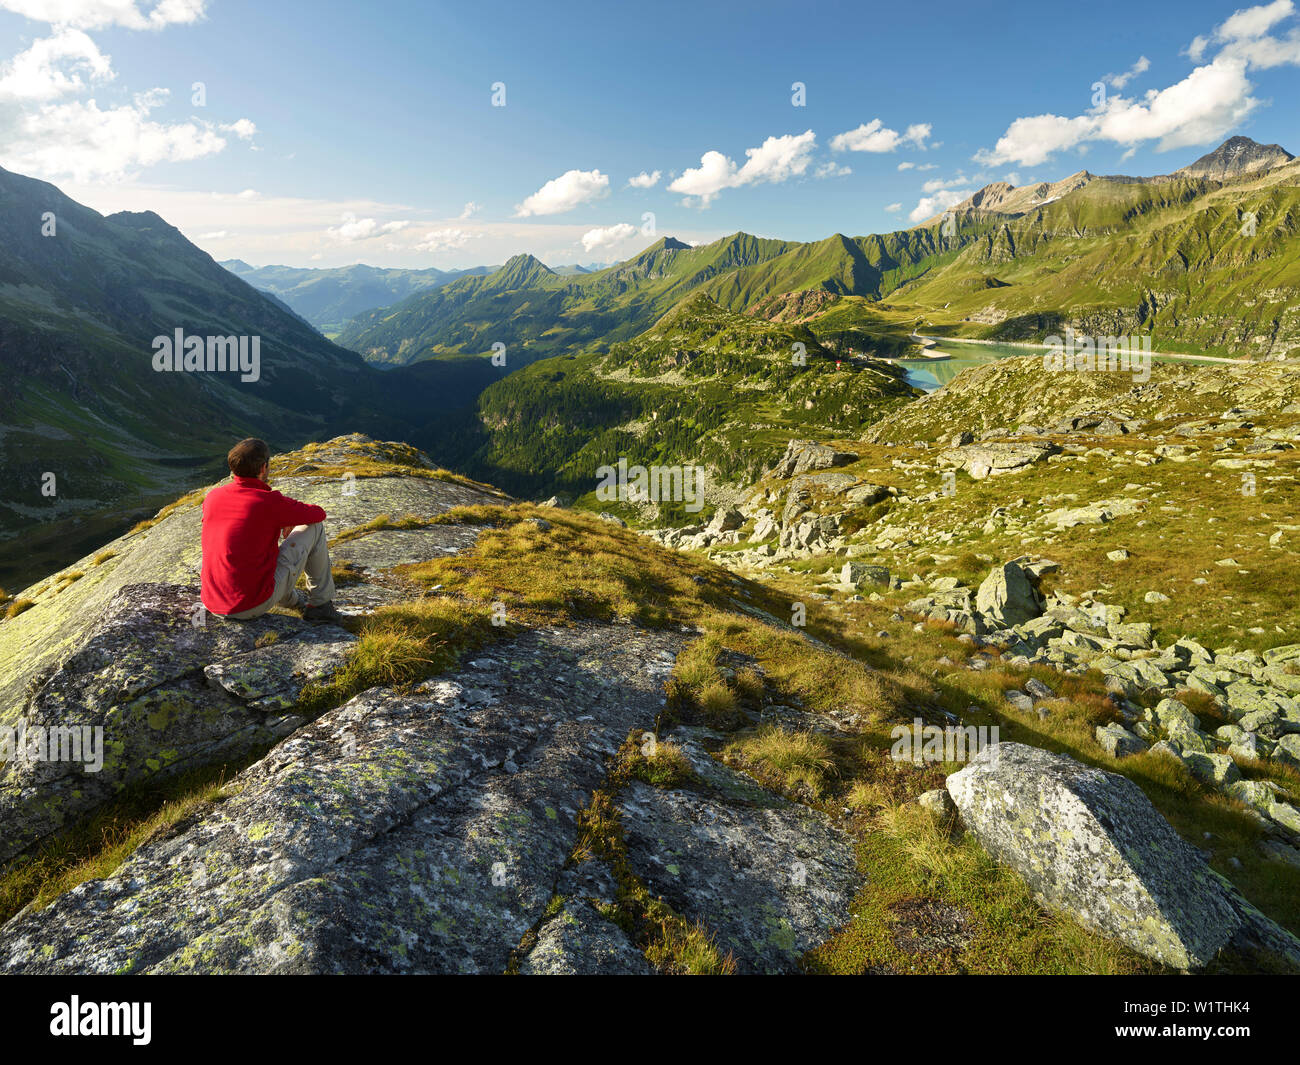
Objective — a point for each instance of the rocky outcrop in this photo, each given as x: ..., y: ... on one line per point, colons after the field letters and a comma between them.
x: 769, y: 877
x: 160, y: 686
x: 1089, y: 843
x: 429, y: 832
x: 801, y: 456
x: 990, y: 460
x: 127, y: 649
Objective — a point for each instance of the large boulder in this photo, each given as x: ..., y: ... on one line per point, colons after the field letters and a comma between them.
x: 991, y: 460
x: 856, y: 574
x: 1089, y: 843
x: 1007, y: 597
x: 804, y: 455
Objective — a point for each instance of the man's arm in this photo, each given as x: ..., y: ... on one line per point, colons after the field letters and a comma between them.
x: 290, y: 512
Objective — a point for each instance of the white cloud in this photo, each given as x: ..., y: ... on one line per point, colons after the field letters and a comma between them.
x: 53, y: 67
x: 644, y: 180
x: 437, y: 240
x: 271, y: 228
x: 1118, y: 81
x: 44, y: 134
x: 98, y: 14
x: 715, y: 173
x: 219, y: 234
x: 471, y: 208
x: 928, y: 206
x: 571, y: 189
x: 894, y: 208
x: 832, y: 169
x: 1202, y: 108
x: 937, y: 184
x: 776, y: 160
x: 242, y: 128
x: 608, y: 236
x: 1033, y: 140
x: 352, y: 229
x: 875, y: 136
x: 83, y: 141
x: 1254, y: 21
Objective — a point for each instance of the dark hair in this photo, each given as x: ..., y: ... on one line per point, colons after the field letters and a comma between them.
x: 247, y: 458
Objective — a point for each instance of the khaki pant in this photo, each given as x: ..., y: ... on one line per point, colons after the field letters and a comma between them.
x: 304, y: 550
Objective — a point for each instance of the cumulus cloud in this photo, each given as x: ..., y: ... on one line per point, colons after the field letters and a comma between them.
x: 1033, y: 140
x: 1245, y: 36
x: 938, y: 184
x: 471, y: 208
x: 832, y: 169
x: 100, y: 14
x: 644, y: 180
x: 875, y: 136
x: 352, y: 229
x: 571, y: 189
x: 608, y: 236
x: 894, y: 208
x: 1118, y: 81
x: 83, y: 141
x: 53, y: 67
x: 242, y: 128
x: 1203, y: 107
x: 47, y: 132
x: 776, y: 160
x: 437, y: 240
x: 941, y: 200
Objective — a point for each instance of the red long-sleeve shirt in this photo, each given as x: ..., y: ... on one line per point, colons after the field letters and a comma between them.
x: 241, y: 534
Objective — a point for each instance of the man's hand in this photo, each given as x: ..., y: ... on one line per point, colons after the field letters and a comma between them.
x: 286, y: 531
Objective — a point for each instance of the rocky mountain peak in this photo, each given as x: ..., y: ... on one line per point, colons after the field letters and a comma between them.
x: 1237, y: 156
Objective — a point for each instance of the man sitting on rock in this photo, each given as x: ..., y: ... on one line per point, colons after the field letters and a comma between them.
x: 244, y: 575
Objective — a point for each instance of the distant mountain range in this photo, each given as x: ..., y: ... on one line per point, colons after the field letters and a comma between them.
x: 537, y: 312
x: 327, y: 298
x: 1203, y: 259
x: 89, y: 426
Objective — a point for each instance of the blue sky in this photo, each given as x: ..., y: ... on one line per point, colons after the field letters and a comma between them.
x: 333, y: 133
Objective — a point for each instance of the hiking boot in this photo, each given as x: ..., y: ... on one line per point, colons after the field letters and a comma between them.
x: 322, y: 612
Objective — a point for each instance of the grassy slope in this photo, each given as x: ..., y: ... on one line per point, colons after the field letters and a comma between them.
x: 1168, y: 259
x: 581, y: 567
